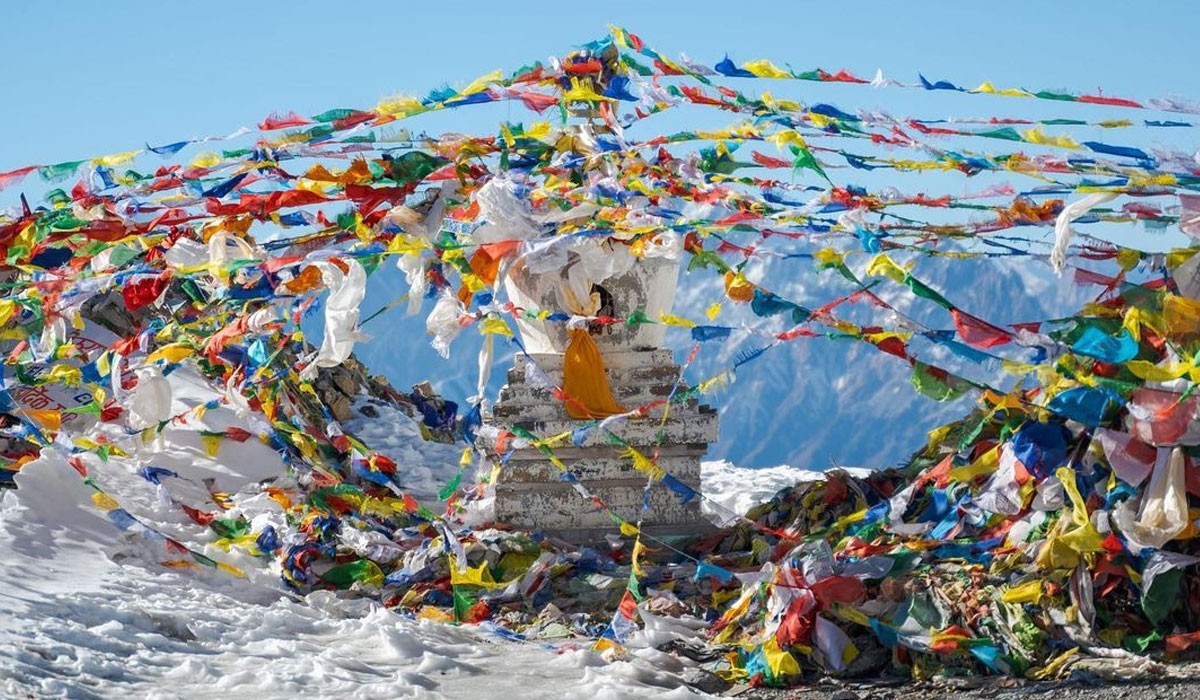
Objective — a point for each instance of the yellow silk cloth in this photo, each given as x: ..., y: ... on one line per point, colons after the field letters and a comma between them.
x: 585, y: 384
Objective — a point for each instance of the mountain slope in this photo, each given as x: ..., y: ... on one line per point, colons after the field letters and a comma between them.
x: 813, y: 402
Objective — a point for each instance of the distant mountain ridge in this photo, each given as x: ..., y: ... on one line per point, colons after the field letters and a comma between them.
x: 813, y: 402
x: 817, y: 403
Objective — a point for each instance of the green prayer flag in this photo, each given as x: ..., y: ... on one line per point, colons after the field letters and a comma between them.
x: 59, y: 171
x: 805, y: 160
x: 1162, y: 596
x: 937, y: 384
x: 462, y: 604
x: 925, y: 292
x: 451, y: 487
x: 345, y: 575
x: 230, y: 527
x: 637, y: 318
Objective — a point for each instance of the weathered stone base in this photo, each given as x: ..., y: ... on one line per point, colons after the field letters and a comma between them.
x: 530, y: 493
x: 675, y: 535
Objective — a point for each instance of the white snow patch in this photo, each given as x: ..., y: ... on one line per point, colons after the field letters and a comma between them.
x: 425, y: 466
x: 740, y: 489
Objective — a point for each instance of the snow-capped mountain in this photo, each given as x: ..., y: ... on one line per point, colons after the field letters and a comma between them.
x: 820, y: 402
x: 812, y: 402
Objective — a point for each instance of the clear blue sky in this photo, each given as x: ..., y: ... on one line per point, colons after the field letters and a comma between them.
x: 82, y: 78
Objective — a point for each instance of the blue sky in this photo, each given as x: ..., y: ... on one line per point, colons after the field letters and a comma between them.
x: 84, y: 78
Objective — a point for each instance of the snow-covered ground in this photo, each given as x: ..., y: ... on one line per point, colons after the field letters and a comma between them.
x: 741, y: 489
x: 86, y: 611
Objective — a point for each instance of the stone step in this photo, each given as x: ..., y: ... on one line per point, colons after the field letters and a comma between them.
x: 612, y: 359
x: 632, y: 395
x: 569, y: 452
x: 557, y: 506
x: 510, y: 412
x: 677, y: 534
x: 602, y: 464
x: 617, y: 376
x: 697, y: 426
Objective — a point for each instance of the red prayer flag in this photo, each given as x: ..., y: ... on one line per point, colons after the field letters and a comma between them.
x: 283, y: 121
x: 12, y: 177
x: 769, y: 161
x: 143, y: 292
x: 978, y: 333
x: 1180, y: 642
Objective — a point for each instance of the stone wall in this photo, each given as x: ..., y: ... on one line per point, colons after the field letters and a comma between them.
x: 530, y: 493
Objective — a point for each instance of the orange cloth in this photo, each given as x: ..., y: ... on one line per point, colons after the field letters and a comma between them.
x: 738, y: 288
x: 585, y: 384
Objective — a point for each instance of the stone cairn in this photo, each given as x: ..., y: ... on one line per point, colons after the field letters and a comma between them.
x: 529, y: 491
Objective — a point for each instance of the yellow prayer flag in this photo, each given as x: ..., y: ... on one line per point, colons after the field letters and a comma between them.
x: 1138, y: 178
x: 788, y: 137
x: 987, y: 88
x: 779, y: 662
x: 229, y: 569
x: 883, y: 266
x: 1028, y: 592
x: 1128, y: 258
x: 7, y: 307
x: 399, y: 105
x: 1037, y: 136
x: 715, y: 382
x: 473, y: 576
x: 174, y: 352
x: 212, y: 444
x: 64, y: 374
x: 433, y: 614
x: 207, y: 159
x: 673, y: 320
x: 1178, y: 256
x: 763, y: 68
x: 1055, y: 666
x: 1181, y: 317
x: 644, y: 464
x: 50, y: 419
x: 495, y: 326
x: 116, y: 159
x: 482, y: 82
x: 1018, y: 369
x: 104, y: 502
x: 583, y: 91
x: 1155, y: 373
x: 985, y: 464
x: 635, y: 557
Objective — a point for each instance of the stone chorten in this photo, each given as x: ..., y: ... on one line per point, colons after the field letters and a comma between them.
x: 529, y: 491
